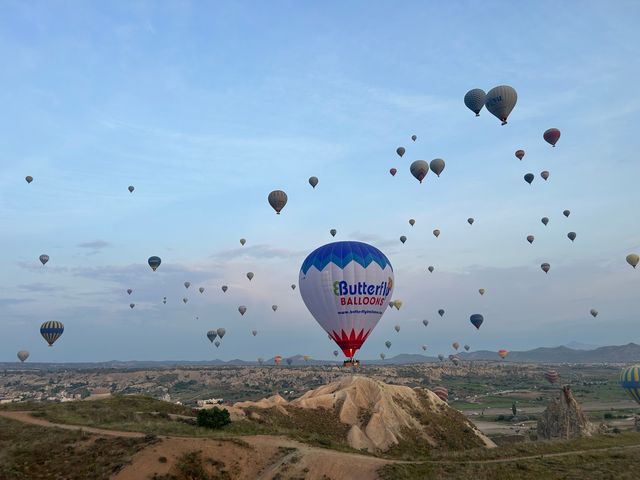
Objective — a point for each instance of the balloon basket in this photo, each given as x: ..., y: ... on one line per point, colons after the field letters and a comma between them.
x: 351, y: 363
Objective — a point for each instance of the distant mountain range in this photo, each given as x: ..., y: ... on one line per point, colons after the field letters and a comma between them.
x: 629, y: 353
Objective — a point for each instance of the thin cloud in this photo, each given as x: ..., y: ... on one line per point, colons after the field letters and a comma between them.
x: 95, y: 245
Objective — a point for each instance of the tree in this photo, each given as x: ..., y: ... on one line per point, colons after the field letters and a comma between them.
x: 213, y: 418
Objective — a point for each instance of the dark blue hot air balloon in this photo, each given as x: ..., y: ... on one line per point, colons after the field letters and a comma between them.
x: 476, y: 320
x: 51, y: 331
x: 154, y: 262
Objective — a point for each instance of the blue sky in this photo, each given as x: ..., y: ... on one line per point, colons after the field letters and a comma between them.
x: 207, y: 107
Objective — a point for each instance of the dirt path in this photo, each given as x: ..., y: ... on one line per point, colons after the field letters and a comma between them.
x: 264, y: 457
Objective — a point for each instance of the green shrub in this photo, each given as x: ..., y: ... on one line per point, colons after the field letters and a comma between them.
x: 213, y: 418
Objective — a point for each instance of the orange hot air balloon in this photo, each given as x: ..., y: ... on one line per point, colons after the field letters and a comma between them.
x: 503, y: 353
x: 277, y: 359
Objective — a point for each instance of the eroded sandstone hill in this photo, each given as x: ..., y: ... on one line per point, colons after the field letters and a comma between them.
x: 373, y: 416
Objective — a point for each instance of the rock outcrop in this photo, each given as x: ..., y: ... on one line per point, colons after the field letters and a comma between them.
x: 564, y: 419
x: 380, y: 416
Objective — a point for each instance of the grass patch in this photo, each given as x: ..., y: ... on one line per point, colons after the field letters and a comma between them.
x: 29, y: 452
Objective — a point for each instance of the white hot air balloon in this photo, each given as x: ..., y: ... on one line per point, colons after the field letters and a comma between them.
x: 347, y: 286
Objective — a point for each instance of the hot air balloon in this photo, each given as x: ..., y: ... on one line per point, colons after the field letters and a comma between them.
x: 250, y: 275
x: 211, y: 335
x: 201, y: 289
x: 23, y: 355
x: 254, y: 332
x: 224, y: 288
x: 185, y: 300
x: 131, y: 305
x: 243, y: 241
x: 129, y: 291
x: 503, y: 353
x: 336, y: 353
x: 571, y: 236
x: 217, y: 344
x: 424, y: 347
x: 633, y: 259
x: 51, y: 331
x: 403, y: 239
x: 551, y: 376
x: 630, y: 381
x: 551, y: 136
x: 440, y: 357
x: 387, y: 344
x: 430, y: 268
x: 277, y: 199
x: 165, y: 300
x: 425, y: 322
x: 467, y: 347
x: 500, y: 101
x: 530, y: 238
x: 397, y: 328
x: 566, y: 213
x: 442, y: 393
x: 293, y: 286
x: 397, y: 304
x: 131, y: 188
x: 529, y: 178
x: 289, y: 361
x: 383, y: 356
x: 594, y: 312
x: 260, y: 360
x: 393, y: 171
x: 419, y: 169
x: 436, y: 233
x: 545, y: 220
x: 242, y: 309
x: 544, y: 174
x: 481, y: 291
x: 28, y: 178
x: 313, y: 181
x: 187, y: 284
x: 520, y: 154
x: 274, y: 307
x: 437, y: 165
x: 333, y: 232
x: 545, y: 267
x: 44, y: 258
x: 221, y: 332
x: 470, y: 220
x: 455, y: 345
x: 412, y: 222
x: 277, y: 359
x: 474, y: 100
x: 441, y: 312
x: 455, y: 359
x: 476, y: 320
x: 306, y: 358
x: 154, y: 262
x: 400, y: 151
x: 414, y: 137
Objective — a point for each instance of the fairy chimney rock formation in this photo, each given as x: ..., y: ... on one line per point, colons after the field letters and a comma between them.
x: 564, y: 419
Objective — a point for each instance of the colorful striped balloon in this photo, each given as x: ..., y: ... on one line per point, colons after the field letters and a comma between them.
x: 551, y: 376
x: 630, y: 381
x: 51, y: 331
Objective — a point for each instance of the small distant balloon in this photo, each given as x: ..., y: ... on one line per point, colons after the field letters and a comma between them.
x: 442, y: 393
x: 243, y: 241
x: 566, y: 213
x: 224, y: 288
x: 154, y: 262
x: 336, y: 353
x: 383, y: 356
x: 217, y: 344
x: 470, y: 220
x: 211, y: 335
x: 23, y: 355
x: 571, y: 236
x: 414, y: 137
x: 551, y: 136
x: 277, y: 199
x: 529, y: 178
x: 254, y: 332
x: 242, y: 309
x: 551, y: 376
x: 455, y: 345
x: 467, y: 347
x: 440, y: 357
x: 28, y: 178
x: 131, y: 305
x: 201, y: 289
x: 481, y: 291
x: 274, y: 307
x: 387, y: 344
x: 403, y: 239
x: 419, y: 169
x: 441, y: 312
x: 289, y: 361
x: 474, y: 100
x: 530, y: 238
x: 545, y: 220
x: 476, y: 320
x: 44, y: 259
x: 393, y: 171
x: 594, y: 312
x: 185, y: 300
x: 633, y: 259
x: 437, y: 165
x: 412, y: 222
x: 545, y: 267
x: 293, y: 286
x: 400, y: 151
x: 397, y: 304
x: 544, y: 174
x: 129, y: 291
x: 250, y: 275
x: 187, y: 285
x: 131, y: 188
x: 397, y: 328
x: 313, y: 181
x: 436, y: 233
x: 221, y: 332
x: 51, y: 331
x: 430, y: 268
x: 520, y: 154
x: 500, y: 101
x: 333, y: 232
x: 503, y: 353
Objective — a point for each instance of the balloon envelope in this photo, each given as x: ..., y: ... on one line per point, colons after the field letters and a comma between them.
x: 419, y: 169
x: 400, y: 151
x: 277, y: 199
x: 474, y: 100
x: 44, y: 258
x: 242, y: 309
x: 441, y: 312
x: 187, y: 284
x: 467, y: 347
x: 393, y: 171
x: 520, y: 154
x: 437, y: 165
x: 430, y: 268
x: 403, y: 239
x: 630, y: 382
x: 274, y: 307
x: 545, y: 267
x: 500, y: 101
x: 387, y: 344
x: 250, y: 275
x: 503, y: 353
x: 551, y: 376
x: 530, y: 238
x: 455, y: 345
x: 412, y: 222
x: 23, y: 355
x: 544, y: 174
x: 333, y: 232
x: 551, y: 136
x: 544, y: 220
x: 243, y: 241
x: 313, y: 181
x: 476, y: 320
x: 211, y: 335
x: 221, y: 332
x: 594, y: 312
x: 436, y: 233
x: 529, y: 178
x: 51, y: 331
x: 131, y: 188
x: 129, y: 291
x: 442, y: 393
x: 633, y: 259
x: 201, y: 289
x: 28, y: 178
x: 425, y: 322
x: 346, y: 286
x: 470, y: 220
x: 414, y: 137
x: 154, y: 262
x: 397, y: 328
x: 224, y: 288
x: 566, y: 213
x: 571, y: 236
x: 383, y: 356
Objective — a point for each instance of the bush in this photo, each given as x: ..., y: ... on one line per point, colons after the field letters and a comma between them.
x: 213, y: 418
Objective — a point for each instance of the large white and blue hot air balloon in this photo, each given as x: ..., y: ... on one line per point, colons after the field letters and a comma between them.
x: 347, y: 286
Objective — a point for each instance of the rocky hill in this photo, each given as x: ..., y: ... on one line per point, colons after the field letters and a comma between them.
x: 564, y: 419
x: 371, y: 415
x: 611, y: 354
